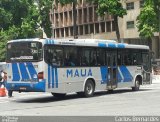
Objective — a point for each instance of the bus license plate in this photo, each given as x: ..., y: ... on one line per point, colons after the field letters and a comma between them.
x: 23, y: 88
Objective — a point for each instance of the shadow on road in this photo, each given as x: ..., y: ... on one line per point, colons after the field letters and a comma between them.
x: 48, y: 99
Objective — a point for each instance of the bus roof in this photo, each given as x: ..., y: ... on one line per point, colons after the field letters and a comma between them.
x: 85, y: 42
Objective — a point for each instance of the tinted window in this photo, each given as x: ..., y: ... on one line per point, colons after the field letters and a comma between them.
x: 93, y: 58
x: 86, y: 57
x: 101, y: 57
x: 54, y: 55
x: 24, y: 51
x: 71, y: 56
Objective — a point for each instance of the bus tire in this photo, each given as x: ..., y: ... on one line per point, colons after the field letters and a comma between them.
x: 89, y: 88
x: 137, y: 85
x: 58, y: 95
x: 10, y: 93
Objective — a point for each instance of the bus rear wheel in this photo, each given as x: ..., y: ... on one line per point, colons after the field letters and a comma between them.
x: 89, y: 88
x: 137, y: 86
x: 58, y: 95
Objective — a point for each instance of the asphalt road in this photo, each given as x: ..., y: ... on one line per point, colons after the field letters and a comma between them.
x: 121, y: 102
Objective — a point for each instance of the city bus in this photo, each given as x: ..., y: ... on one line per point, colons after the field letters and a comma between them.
x: 82, y: 66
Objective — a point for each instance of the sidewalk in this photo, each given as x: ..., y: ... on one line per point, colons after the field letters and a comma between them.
x: 155, y: 79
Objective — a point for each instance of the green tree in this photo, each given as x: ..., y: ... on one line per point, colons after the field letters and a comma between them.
x: 18, y: 19
x: 157, y: 10
x: 11, y: 33
x: 147, y: 21
x: 19, y: 13
x: 44, y: 9
x: 112, y: 7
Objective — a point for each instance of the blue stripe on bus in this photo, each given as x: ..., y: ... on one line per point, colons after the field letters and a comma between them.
x: 16, y: 75
x: 48, y: 41
x: 31, y: 70
x: 104, y: 74
x: 49, y: 76
x: 112, y: 45
x: 52, y: 41
x: 121, y: 46
x: 23, y: 71
x: 56, y: 77
x: 53, y: 77
x: 36, y: 87
x: 126, y: 74
x: 102, y: 44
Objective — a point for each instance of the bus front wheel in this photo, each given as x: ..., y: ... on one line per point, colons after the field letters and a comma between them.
x: 137, y: 85
x: 89, y: 88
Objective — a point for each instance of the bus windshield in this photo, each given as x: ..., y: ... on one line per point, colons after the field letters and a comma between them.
x: 24, y: 51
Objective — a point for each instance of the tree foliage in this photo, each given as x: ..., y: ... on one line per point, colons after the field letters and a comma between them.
x: 18, y: 19
x: 147, y: 21
x: 64, y: 2
x: 23, y: 19
x: 44, y: 10
x: 16, y: 12
x: 112, y: 7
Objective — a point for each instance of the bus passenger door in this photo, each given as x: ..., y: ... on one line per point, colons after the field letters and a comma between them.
x: 146, y: 68
x: 111, y: 57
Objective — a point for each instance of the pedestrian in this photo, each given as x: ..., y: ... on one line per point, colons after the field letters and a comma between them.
x: 2, y: 84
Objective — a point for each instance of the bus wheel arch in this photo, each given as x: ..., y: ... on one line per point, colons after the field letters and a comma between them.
x: 89, y: 87
x: 137, y: 83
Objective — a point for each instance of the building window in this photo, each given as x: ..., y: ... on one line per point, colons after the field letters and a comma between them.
x: 130, y: 24
x: 130, y: 5
x: 141, y: 3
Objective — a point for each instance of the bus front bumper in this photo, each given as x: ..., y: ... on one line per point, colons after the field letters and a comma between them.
x: 26, y: 86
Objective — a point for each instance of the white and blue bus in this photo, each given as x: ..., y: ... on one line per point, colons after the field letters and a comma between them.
x: 82, y: 66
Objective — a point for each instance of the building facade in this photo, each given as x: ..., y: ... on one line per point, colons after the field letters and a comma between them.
x: 90, y: 25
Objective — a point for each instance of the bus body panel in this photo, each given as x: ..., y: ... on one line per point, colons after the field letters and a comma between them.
x: 129, y: 76
x: 74, y: 79
x: 23, y: 76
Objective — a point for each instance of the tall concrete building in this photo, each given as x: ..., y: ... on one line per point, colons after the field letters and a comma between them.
x: 129, y: 31
x: 90, y: 25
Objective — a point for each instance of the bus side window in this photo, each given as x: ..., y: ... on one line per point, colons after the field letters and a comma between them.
x: 101, y: 57
x: 84, y: 61
x: 85, y: 57
x: 93, y: 58
x: 134, y: 59
x: 48, y: 56
x: 70, y: 56
x: 119, y: 60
